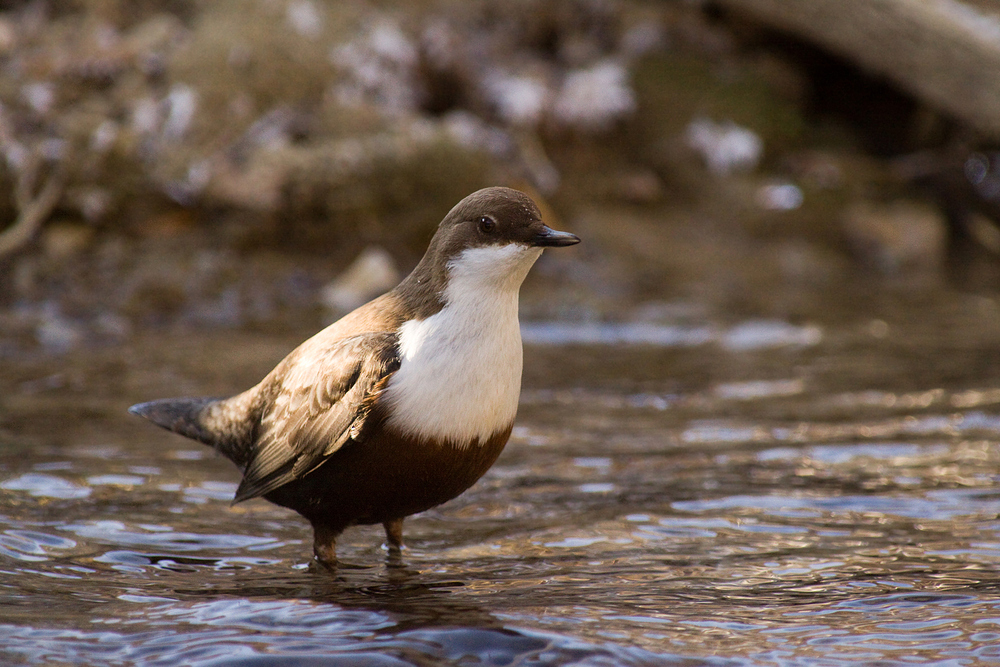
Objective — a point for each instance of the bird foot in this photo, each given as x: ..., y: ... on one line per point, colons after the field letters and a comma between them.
x: 325, y: 546
x: 394, y: 534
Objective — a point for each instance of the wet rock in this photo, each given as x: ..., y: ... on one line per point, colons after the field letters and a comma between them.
x: 372, y: 273
x: 896, y: 237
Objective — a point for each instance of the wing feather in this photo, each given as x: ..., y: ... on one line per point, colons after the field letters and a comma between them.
x: 324, y: 399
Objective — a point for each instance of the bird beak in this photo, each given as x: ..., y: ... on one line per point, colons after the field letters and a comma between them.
x: 550, y: 238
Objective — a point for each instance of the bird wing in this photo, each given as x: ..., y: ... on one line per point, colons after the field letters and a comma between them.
x: 323, y: 399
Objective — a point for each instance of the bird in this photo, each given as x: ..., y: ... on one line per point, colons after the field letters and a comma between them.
x: 403, y: 403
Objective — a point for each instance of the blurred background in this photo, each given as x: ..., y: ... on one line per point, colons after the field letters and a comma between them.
x: 193, y: 165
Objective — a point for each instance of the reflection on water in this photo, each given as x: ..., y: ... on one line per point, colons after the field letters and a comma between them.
x: 756, y: 334
x: 752, y: 494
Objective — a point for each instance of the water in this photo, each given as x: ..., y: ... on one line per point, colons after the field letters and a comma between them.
x: 754, y: 492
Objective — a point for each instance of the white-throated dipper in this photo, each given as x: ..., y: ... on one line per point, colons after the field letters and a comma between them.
x: 401, y: 404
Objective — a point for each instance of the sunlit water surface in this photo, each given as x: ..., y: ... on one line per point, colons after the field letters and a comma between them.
x: 761, y: 493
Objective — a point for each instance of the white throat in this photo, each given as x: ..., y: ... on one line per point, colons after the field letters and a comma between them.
x: 460, y: 373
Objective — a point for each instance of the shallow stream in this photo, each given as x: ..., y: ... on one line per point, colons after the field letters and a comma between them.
x: 751, y: 493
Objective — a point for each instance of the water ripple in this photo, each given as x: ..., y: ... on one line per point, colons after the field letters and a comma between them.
x: 118, y: 533
x: 339, y: 635
x: 747, y: 336
x: 946, y: 504
x: 45, y: 486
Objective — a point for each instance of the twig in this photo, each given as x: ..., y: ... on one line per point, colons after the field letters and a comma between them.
x: 32, y: 211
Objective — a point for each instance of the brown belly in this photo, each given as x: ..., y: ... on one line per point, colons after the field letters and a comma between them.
x: 388, y: 476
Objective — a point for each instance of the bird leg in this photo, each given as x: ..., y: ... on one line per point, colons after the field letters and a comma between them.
x: 394, y: 534
x: 325, y: 544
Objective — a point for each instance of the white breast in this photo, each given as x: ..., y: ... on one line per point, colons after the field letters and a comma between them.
x: 460, y: 373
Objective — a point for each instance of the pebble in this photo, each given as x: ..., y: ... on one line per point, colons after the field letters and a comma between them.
x: 372, y: 273
x: 726, y: 147
x: 62, y: 240
x: 898, y: 236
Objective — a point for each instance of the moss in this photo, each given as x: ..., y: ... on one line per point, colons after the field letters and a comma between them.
x: 243, y: 58
x: 395, y: 197
x: 671, y: 89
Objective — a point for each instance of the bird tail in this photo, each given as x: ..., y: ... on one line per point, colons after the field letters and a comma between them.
x: 225, y: 424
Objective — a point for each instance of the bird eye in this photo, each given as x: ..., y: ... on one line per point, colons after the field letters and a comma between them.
x: 486, y: 224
